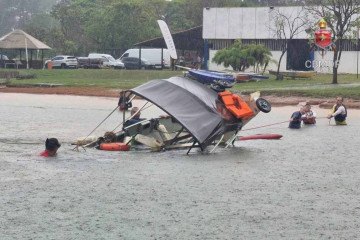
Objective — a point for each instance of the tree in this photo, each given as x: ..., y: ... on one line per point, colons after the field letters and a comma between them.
x: 72, y: 16
x: 43, y: 27
x: 240, y: 57
x: 342, y: 16
x: 107, y: 25
x: 122, y: 24
x: 16, y: 13
x: 286, y: 27
x: 258, y: 56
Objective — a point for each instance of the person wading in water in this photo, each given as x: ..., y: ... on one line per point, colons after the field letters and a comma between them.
x: 339, y: 112
x: 51, y: 147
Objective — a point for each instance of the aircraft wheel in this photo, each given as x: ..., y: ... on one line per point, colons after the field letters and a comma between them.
x: 263, y: 105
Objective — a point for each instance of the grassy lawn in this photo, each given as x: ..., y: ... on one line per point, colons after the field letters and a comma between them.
x: 319, y: 86
x: 106, y: 78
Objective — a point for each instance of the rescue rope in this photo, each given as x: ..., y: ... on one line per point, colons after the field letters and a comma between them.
x: 231, y: 140
x: 262, y: 126
x: 242, y: 130
x: 77, y: 144
x: 142, y: 108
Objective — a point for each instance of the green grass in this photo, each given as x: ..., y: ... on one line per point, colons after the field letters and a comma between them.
x: 106, y: 78
x: 319, y: 86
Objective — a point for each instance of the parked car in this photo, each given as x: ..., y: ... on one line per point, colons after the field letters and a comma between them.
x: 3, y: 59
x: 152, y: 55
x: 108, y: 60
x: 63, y: 61
x: 133, y: 63
x: 86, y: 62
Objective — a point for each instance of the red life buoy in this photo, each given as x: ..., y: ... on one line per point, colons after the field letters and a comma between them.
x: 115, y: 146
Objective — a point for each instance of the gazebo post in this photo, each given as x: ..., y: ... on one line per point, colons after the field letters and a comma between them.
x: 42, y: 58
x: 1, y: 57
x: 162, y: 57
x: 139, y: 57
x: 31, y: 58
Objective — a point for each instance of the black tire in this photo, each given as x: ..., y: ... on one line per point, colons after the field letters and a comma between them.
x: 263, y: 105
x: 63, y: 66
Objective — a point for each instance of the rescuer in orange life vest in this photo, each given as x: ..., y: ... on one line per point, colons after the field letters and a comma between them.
x: 51, y: 147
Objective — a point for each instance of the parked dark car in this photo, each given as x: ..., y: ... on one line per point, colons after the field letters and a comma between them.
x: 86, y: 62
x: 133, y: 63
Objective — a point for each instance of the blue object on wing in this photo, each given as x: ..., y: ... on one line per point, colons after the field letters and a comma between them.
x: 212, y: 78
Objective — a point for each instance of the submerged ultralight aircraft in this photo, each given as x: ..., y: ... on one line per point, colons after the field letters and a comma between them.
x: 198, y: 115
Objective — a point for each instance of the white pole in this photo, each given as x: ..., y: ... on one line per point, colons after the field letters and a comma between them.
x: 26, y: 54
x: 357, y: 55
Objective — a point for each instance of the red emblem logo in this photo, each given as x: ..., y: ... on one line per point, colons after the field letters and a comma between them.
x: 323, y: 38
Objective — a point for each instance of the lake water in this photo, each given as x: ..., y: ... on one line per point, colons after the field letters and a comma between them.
x: 304, y: 186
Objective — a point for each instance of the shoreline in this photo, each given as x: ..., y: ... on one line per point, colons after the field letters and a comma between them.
x: 105, y: 92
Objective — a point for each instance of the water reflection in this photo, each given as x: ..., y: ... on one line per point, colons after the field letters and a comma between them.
x: 305, y: 184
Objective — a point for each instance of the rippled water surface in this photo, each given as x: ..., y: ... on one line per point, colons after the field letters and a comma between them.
x: 304, y: 186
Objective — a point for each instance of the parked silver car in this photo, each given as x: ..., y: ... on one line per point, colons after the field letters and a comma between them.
x: 108, y: 60
x: 63, y: 61
x: 3, y: 57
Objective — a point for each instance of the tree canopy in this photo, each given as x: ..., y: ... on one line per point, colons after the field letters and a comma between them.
x: 115, y: 25
x: 240, y: 57
x: 82, y: 26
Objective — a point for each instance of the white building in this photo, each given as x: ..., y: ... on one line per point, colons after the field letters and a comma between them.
x: 221, y: 26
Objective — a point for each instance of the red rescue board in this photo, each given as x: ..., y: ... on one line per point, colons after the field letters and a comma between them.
x: 267, y: 136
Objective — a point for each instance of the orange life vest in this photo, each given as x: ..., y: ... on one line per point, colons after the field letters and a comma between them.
x: 236, y: 105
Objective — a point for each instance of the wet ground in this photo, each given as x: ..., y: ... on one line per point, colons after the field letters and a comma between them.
x: 304, y: 186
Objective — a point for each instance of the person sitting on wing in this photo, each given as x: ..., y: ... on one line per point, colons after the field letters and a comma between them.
x: 124, y: 103
x: 153, y: 139
x: 135, y: 113
x: 339, y: 112
x: 296, y: 117
x: 51, y: 147
x: 310, y: 116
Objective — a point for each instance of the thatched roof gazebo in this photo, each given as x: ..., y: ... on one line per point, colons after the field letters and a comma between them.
x: 20, y: 40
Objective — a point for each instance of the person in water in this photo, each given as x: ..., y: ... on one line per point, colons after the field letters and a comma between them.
x: 310, y: 116
x: 339, y: 112
x: 135, y: 113
x: 296, y: 117
x: 51, y: 147
x: 157, y: 137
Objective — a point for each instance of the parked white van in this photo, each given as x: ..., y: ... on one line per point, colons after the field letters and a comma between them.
x: 108, y: 60
x: 152, y: 55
